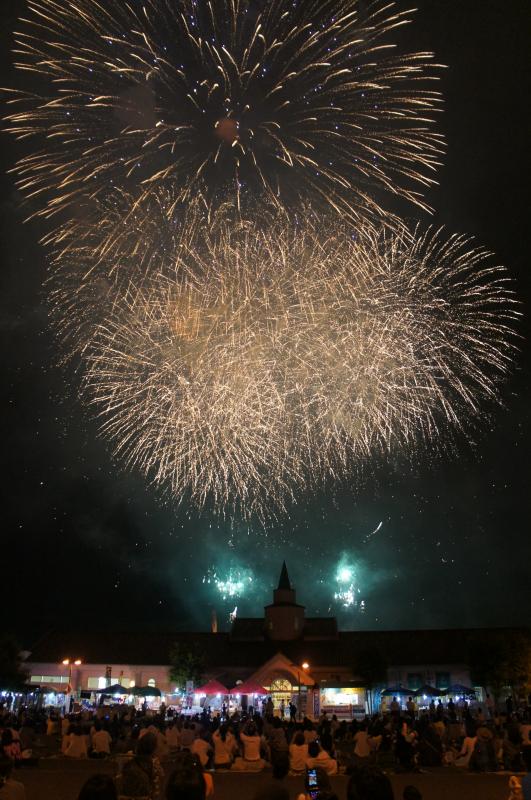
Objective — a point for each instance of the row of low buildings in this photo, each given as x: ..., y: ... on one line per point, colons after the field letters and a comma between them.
x: 268, y: 651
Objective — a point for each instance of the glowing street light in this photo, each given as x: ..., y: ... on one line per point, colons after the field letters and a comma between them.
x: 68, y: 662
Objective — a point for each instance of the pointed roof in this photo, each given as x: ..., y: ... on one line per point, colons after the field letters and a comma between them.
x: 284, y: 582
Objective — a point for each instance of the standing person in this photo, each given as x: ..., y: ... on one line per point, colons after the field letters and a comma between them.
x: 270, y: 708
x: 394, y: 707
x: 282, y: 709
x: 292, y: 711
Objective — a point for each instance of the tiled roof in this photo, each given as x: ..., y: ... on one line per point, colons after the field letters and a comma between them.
x: 222, y: 651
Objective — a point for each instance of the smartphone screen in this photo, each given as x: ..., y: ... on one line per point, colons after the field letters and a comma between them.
x: 312, y: 779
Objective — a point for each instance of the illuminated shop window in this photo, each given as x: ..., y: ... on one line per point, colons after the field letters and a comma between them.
x: 151, y: 682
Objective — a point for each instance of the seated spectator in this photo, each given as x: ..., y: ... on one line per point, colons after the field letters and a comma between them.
x: 187, y: 735
x: 325, y: 788
x: 173, y: 737
x: 298, y: 753
x: 483, y: 759
x: 251, y: 742
x: 319, y: 757
x: 187, y: 781
x: 202, y: 749
x: 10, y: 746
x: 362, y: 744
x: 369, y: 784
x: 411, y: 793
x: 77, y: 744
x: 101, y: 742
x: 224, y: 747
x: 142, y: 777
x: 10, y: 789
x: 98, y: 787
x: 467, y: 748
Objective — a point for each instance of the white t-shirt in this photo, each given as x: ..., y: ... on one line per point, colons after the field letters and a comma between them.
x: 298, y: 753
x: 77, y: 747
x: 223, y: 749
x: 324, y: 761
x: 251, y: 747
x: 101, y: 742
x: 201, y: 749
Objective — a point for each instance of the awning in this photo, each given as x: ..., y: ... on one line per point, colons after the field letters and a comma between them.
x: 248, y: 687
x: 116, y: 688
x: 395, y: 691
x: 145, y: 691
x: 458, y: 688
x: 429, y: 691
x: 212, y: 687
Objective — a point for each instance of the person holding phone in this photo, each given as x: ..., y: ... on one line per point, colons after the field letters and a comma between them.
x: 317, y: 786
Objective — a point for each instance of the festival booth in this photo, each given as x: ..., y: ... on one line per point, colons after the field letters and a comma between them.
x: 211, y: 694
x: 248, y: 694
x: 426, y: 695
x: 386, y: 697
x: 345, y: 700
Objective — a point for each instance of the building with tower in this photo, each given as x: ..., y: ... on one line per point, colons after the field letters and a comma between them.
x: 296, y: 658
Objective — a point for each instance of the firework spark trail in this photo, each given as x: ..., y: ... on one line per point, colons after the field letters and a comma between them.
x: 266, y: 362
x: 299, y: 102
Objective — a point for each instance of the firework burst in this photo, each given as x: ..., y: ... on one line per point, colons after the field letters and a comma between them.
x: 284, y: 102
x: 265, y: 362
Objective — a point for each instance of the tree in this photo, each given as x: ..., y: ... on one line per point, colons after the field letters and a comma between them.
x: 499, y: 661
x: 187, y: 663
x: 371, y: 666
x: 12, y: 674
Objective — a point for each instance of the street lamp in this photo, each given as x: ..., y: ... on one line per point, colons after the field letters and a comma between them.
x: 305, y: 666
x: 68, y: 662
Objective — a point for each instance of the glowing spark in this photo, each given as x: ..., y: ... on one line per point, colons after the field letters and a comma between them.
x: 299, y: 102
x: 258, y: 363
x: 231, y: 585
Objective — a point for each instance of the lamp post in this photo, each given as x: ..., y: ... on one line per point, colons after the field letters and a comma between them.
x: 68, y: 662
x: 305, y: 666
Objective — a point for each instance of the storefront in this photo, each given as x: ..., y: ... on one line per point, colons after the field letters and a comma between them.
x: 344, y: 701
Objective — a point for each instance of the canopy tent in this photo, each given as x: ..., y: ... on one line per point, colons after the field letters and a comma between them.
x: 116, y: 688
x: 145, y: 691
x: 248, y: 687
x: 458, y: 688
x: 394, y: 692
x: 429, y: 691
x: 212, y: 687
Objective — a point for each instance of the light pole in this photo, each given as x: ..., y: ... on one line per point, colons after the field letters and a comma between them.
x: 68, y: 662
x: 305, y: 667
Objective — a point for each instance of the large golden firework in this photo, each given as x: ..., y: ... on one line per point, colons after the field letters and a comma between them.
x: 230, y: 101
x: 264, y: 362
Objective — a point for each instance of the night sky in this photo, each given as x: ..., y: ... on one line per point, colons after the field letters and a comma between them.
x: 443, y: 542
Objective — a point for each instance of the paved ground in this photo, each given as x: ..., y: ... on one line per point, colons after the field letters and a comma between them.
x: 62, y: 780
